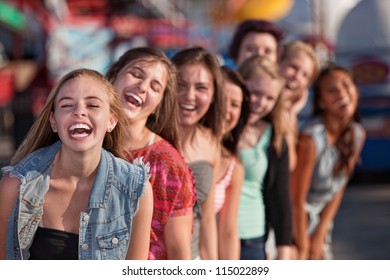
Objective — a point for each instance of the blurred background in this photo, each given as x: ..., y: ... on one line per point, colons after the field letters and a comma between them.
x: 41, y: 40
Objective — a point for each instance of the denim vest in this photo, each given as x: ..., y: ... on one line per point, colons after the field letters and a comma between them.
x: 105, y: 225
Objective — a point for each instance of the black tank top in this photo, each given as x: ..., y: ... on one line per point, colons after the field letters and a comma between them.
x: 53, y: 244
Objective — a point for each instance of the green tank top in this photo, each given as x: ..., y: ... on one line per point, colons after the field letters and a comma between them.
x: 251, y: 213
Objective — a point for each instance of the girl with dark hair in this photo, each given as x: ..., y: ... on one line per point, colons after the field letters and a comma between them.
x: 256, y: 37
x: 230, y: 173
x: 329, y: 147
x: 200, y: 109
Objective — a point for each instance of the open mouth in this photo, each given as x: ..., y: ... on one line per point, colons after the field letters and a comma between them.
x: 187, y: 107
x: 255, y: 114
x: 343, y: 102
x: 291, y: 85
x: 80, y: 130
x: 133, y: 99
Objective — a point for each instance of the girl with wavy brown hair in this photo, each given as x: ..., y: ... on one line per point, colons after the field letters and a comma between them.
x: 200, y: 109
x: 146, y: 81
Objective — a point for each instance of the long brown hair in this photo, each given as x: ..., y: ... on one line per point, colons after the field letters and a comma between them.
x: 247, y: 69
x: 199, y: 55
x: 41, y: 134
x: 345, y: 142
x: 231, y: 141
x: 165, y: 121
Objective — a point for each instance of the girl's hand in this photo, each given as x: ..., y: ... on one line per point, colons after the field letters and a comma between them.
x: 317, y: 247
x: 302, y: 252
x: 284, y: 252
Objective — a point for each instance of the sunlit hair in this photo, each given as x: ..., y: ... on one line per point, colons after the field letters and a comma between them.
x: 198, y: 55
x: 295, y: 47
x: 165, y: 120
x: 256, y: 26
x: 42, y: 135
x: 250, y: 68
x: 345, y: 143
x: 230, y: 141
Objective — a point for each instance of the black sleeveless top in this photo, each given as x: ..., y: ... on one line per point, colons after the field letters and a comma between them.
x: 53, y: 244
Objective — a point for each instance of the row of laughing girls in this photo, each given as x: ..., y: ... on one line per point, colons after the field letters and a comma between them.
x: 185, y: 158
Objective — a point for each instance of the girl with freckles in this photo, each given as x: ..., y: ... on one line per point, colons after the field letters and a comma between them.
x: 68, y: 195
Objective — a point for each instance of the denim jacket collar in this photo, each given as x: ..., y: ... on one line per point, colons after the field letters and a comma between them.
x: 43, y: 159
x: 99, y: 196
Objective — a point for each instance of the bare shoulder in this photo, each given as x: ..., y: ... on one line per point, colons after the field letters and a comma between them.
x: 239, y: 168
x: 306, y: 143
x: 306, y: 150
x: 238, y: 175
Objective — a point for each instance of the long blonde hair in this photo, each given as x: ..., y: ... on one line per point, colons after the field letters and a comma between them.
x: 41, y: 134
x: 292, y: 48
x: 247, y: 69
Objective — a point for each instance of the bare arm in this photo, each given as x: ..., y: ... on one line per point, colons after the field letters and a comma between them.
x: 329, y: 212
x: 316, y: 251
x: 354, y: 160
x: 228, y: 239
x: 9, y: 191
x: 140, y: 235
x: 300, y: 183
x: 208, y: 240
x: 208, y: 229
x: 177, y: 235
